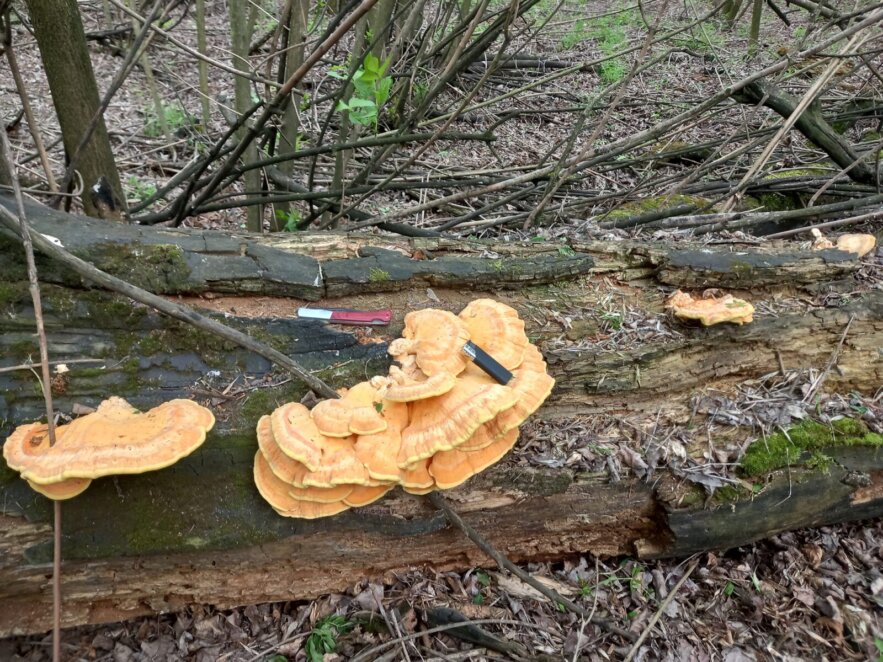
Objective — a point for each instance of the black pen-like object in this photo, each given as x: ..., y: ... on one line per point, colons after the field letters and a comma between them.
x: 487, y: 362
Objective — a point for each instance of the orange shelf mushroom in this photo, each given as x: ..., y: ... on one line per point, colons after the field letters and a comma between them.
x: 354, y: 413
x: 433, y: 422
x: 446, y: 421
x: 115, y: 439
x: 860, y: 244
x: 712, y: 310
x: 497, y: 329
x: 432, y: 342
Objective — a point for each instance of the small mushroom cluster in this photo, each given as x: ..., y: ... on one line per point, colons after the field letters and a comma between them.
x: 433, y: 422
x: 114, y: 439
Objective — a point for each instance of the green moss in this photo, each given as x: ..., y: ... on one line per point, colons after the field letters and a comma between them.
x: 778, y: 202
x: 277, y: 341
x: 180, y: 338
x: 378, y: 275
x: 819, y: 461
x: 654, y: 203
x: 262, y: 401
x: 158, y: 268
x: 732, y: 494
x: 800, y: 442
x: 22, y: 349
x: 12, y: 293
x: 87, y: 372
x: 796, y: 172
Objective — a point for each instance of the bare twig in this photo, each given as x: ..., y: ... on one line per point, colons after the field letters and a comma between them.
x: 47, y: 389
x: 665, y: 603
x: 437, y: 500
x: 820, y: 380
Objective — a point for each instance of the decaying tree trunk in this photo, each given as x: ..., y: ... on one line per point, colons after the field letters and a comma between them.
x: 199, y: 532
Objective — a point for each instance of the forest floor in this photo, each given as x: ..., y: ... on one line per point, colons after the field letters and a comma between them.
x: 804, y: 595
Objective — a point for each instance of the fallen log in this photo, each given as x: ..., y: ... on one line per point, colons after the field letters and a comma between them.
x: 199, y: 532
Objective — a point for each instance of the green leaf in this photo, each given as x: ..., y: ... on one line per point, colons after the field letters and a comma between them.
x: 755, y: 582
x: 358, y: 102
x: 371, y: 67
x: 381, y: 94
x: 729, y: 588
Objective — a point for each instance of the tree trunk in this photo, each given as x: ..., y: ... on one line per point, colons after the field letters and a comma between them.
x: 62, y: 42
x: 199, y: 532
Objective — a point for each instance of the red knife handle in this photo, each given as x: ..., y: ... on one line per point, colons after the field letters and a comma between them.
x: 374, y: 317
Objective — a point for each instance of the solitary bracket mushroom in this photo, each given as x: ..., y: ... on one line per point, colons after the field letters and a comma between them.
x: 115, y: 439
x: 711, y: 310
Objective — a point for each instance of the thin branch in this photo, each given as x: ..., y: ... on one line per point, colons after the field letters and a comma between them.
x: 22, y: 224
x: 437, y: 500
x: 665, y: 603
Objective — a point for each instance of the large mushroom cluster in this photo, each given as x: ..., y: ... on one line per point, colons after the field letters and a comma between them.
x: 114, y: 439
x: 433, y: 422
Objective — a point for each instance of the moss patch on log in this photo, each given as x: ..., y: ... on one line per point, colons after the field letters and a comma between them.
x: 654, y: 203
x: 803, y: 444
x: 154, y: 267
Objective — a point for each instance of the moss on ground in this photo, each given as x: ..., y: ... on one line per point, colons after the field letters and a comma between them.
x: 804, y: 444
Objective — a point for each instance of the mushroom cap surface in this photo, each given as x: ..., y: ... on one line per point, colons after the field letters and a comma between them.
x: 354, y: 413
x: 446, y: 421
x: 497, y: 329
x: 321, y: 494
x: 435, y: 338
x: 338, y: 466
x: 63, y: 489
x: 278, y: 494
x: 115, y: 439
x: 712, y: 310
x: 286, y: 469
x: 378, y: 452
x: 362, y: 495
x: 416, y: 479
x: 297, y: 435
x: 860, y: 244
x: 402, y: 388
x: 532, y: 384
x: 454, y: 467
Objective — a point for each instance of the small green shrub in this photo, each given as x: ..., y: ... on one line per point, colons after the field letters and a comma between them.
x: 175, y: 116
x: 372, y: 88
x: 139, y: 188
x: 323, y: 638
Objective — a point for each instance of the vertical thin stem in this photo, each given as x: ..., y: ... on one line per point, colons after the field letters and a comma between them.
x: 56, y: 585
x: 47, y: 388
